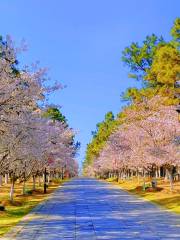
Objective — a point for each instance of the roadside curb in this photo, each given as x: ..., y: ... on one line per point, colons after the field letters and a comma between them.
x: 162, y: 208
x: 12, y: 233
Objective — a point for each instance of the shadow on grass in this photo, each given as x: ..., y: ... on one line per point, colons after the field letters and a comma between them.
x: 94, y: 208
x: 160, y: 196
x: 169, y: 202
x: 21, y: 206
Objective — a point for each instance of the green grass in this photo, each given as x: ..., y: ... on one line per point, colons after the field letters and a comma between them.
x: 13, y: 215
x: 164, y: 197
x: 22, y: 204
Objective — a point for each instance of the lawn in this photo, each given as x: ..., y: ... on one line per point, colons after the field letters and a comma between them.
x: 163, y: 197
x: 22, y: 204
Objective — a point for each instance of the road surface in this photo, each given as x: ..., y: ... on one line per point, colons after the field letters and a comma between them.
x: 88, y: 209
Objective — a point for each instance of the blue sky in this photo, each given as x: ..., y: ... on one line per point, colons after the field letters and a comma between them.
x: 81, y: 41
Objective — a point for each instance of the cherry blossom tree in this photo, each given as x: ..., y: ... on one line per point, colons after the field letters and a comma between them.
x: 144, y: 142
x: 27, y: 139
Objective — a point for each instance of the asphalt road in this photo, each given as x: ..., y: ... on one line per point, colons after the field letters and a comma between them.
x: 88, y: 209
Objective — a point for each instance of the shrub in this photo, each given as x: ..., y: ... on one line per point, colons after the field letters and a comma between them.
x: 29, y: 192
x: 2, y: 208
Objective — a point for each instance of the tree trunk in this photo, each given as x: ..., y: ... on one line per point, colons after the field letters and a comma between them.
x: 157, y: 173
x: 144, y: 180
x: 166, y: 174
x: 163, y: 172
x: 24, y: 187
x: 6, y: 178
x: 39, y: 181
x: 178, y: 170
x: 62, y: 174
x: 119, y: 176
x: 170, y: 173
x: 34, y: 183
x: 45, y: 180
x: 138, y: 178
x: 0, y: 180
x: 11, y: 195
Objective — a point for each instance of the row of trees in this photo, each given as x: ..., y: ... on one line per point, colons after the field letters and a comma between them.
x: 32, y: 138
x: 144, y: 139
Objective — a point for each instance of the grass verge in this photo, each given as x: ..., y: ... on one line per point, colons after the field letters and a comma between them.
x: 162, y: 197
x: 22, y: 205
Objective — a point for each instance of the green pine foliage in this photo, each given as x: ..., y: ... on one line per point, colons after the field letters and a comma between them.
x: 156, y: 63
x: 175, y: 30
x: 100, y: 136
x: 55, y: 114
x: 139, y: 58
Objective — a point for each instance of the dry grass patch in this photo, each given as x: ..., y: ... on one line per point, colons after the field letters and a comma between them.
x: 162, y: 196
x: 22, y: 204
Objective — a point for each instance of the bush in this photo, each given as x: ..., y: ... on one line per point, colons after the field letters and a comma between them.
x: 146, y: 186
x: 2, y: 208
x: 29, y: 192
